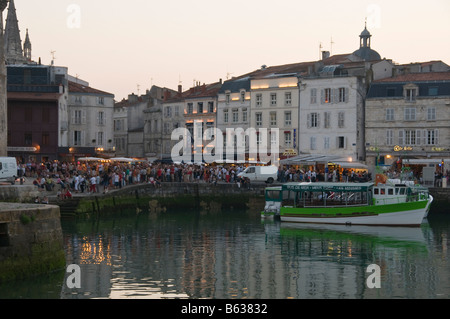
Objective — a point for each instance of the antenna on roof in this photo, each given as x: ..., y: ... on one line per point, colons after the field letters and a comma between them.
x: 138, y: 87
x: 53, y: 56
x: 320, y: 50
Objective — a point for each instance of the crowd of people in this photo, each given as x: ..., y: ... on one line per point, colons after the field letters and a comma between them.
x: 96, y: 177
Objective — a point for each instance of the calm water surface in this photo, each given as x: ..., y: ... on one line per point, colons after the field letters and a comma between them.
x: 237, y: 255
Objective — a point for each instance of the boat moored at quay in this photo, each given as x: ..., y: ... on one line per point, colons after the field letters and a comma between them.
x: 390, y: 203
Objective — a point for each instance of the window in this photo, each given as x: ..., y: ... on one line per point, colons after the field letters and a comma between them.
x: 431, y: 114
x: 327, y: 96
x: 273, y: 118
x: 258, y: 99
x: 227, y: 98
x: 389, y: 114
x: 235, y: 115
x: 177, y: 110
x: 432, y: 137
x: 287, y: 119
x: 28, y: 138
x: 258, y: 139
x: 326, y: 143
x: 287, y: 138
x: 190, y: 108
x: 410, y: 137
x: 45, y: 138
x: 211, y: 107
x: 100, y: 138
x: 389, y: 137
x: 77, y: 138
x: 200, y: 107
x: 101, y: 118
x: 225, y: 116
x: 313, y: 96
x: 433, y: 91
x: 101, y: 100
x: 312, y: 143
x: 273, y: 99
x: 77, y: 117
x: 390, y: 92
x: 327, y: 120
x: 273, y: 138
x: 258, y: 119
x: 410, y: 95
x: 168, y: 111
x: 341, y: 142
x: 288, y: 98
x: 410, y: 114
x: 313, y: 120
x: 243, y: 96
x: 244, y: 115
x: 342, y: 95
x: 341, y: 119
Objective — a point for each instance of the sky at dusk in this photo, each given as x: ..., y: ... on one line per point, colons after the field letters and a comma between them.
x: 119, y: 45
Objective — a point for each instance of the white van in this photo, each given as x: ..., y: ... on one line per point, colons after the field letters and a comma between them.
x: 8, y: 169
x: 266, y: 174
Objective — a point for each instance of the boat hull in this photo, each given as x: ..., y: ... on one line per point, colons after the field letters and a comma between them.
x: 406, y: 214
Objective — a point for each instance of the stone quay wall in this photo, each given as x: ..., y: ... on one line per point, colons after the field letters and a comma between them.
x: 31, y: 241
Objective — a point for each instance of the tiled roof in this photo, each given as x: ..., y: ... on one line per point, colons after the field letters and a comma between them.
x: 79, y: 88
x: 417, y: 77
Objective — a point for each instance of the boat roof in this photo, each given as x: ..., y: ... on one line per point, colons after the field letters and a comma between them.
x: 325, y: 186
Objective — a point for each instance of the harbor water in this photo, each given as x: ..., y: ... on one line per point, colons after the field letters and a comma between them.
x: 238, y: 255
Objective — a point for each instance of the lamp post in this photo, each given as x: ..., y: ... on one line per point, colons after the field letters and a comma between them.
x: 3, y: 100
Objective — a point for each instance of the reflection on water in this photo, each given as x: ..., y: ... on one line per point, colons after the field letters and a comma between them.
x: 236, y: 255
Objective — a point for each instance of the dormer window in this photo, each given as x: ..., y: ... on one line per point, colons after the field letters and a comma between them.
x: 410, y: 92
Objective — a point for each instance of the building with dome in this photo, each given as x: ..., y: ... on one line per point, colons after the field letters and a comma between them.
x: 365, y: 52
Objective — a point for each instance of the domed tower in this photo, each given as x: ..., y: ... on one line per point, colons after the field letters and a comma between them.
x: 365, y: 52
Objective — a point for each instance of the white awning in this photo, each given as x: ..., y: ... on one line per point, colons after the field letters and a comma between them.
x: 352, y: 165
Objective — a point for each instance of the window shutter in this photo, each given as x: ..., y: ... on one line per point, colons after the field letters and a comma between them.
x: 83, y: 117
x: 334, y: 95
x: 308, y: 121
x: 436, y: 137
x: 318, y: 120
x: 346, y: 95
x: 73, y: 117
x: 322, y: 96
x: 418, y: 137
x: 401, y: 137
x: 424, y: 137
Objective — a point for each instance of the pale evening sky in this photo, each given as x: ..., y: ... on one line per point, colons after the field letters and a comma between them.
x: 118, y: 45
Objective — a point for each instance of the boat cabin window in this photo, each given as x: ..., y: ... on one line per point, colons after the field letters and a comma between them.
x: 402, y: 191
x: 390, y: 191
x: 376, y: 191
x: 273, y: 195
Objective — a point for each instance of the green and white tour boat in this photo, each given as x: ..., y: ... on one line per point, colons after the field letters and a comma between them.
x: 388, y: 204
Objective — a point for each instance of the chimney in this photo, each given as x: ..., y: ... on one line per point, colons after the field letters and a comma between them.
x: 180, y: 88
x: 325, y: 55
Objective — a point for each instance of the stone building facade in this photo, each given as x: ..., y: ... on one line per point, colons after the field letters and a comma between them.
x: 407, y: 120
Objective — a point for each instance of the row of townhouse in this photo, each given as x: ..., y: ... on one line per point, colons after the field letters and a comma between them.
x: 324, y: 107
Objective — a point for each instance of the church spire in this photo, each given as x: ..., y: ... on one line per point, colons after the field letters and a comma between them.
x: 13, y: 42
x: 27, y: 48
